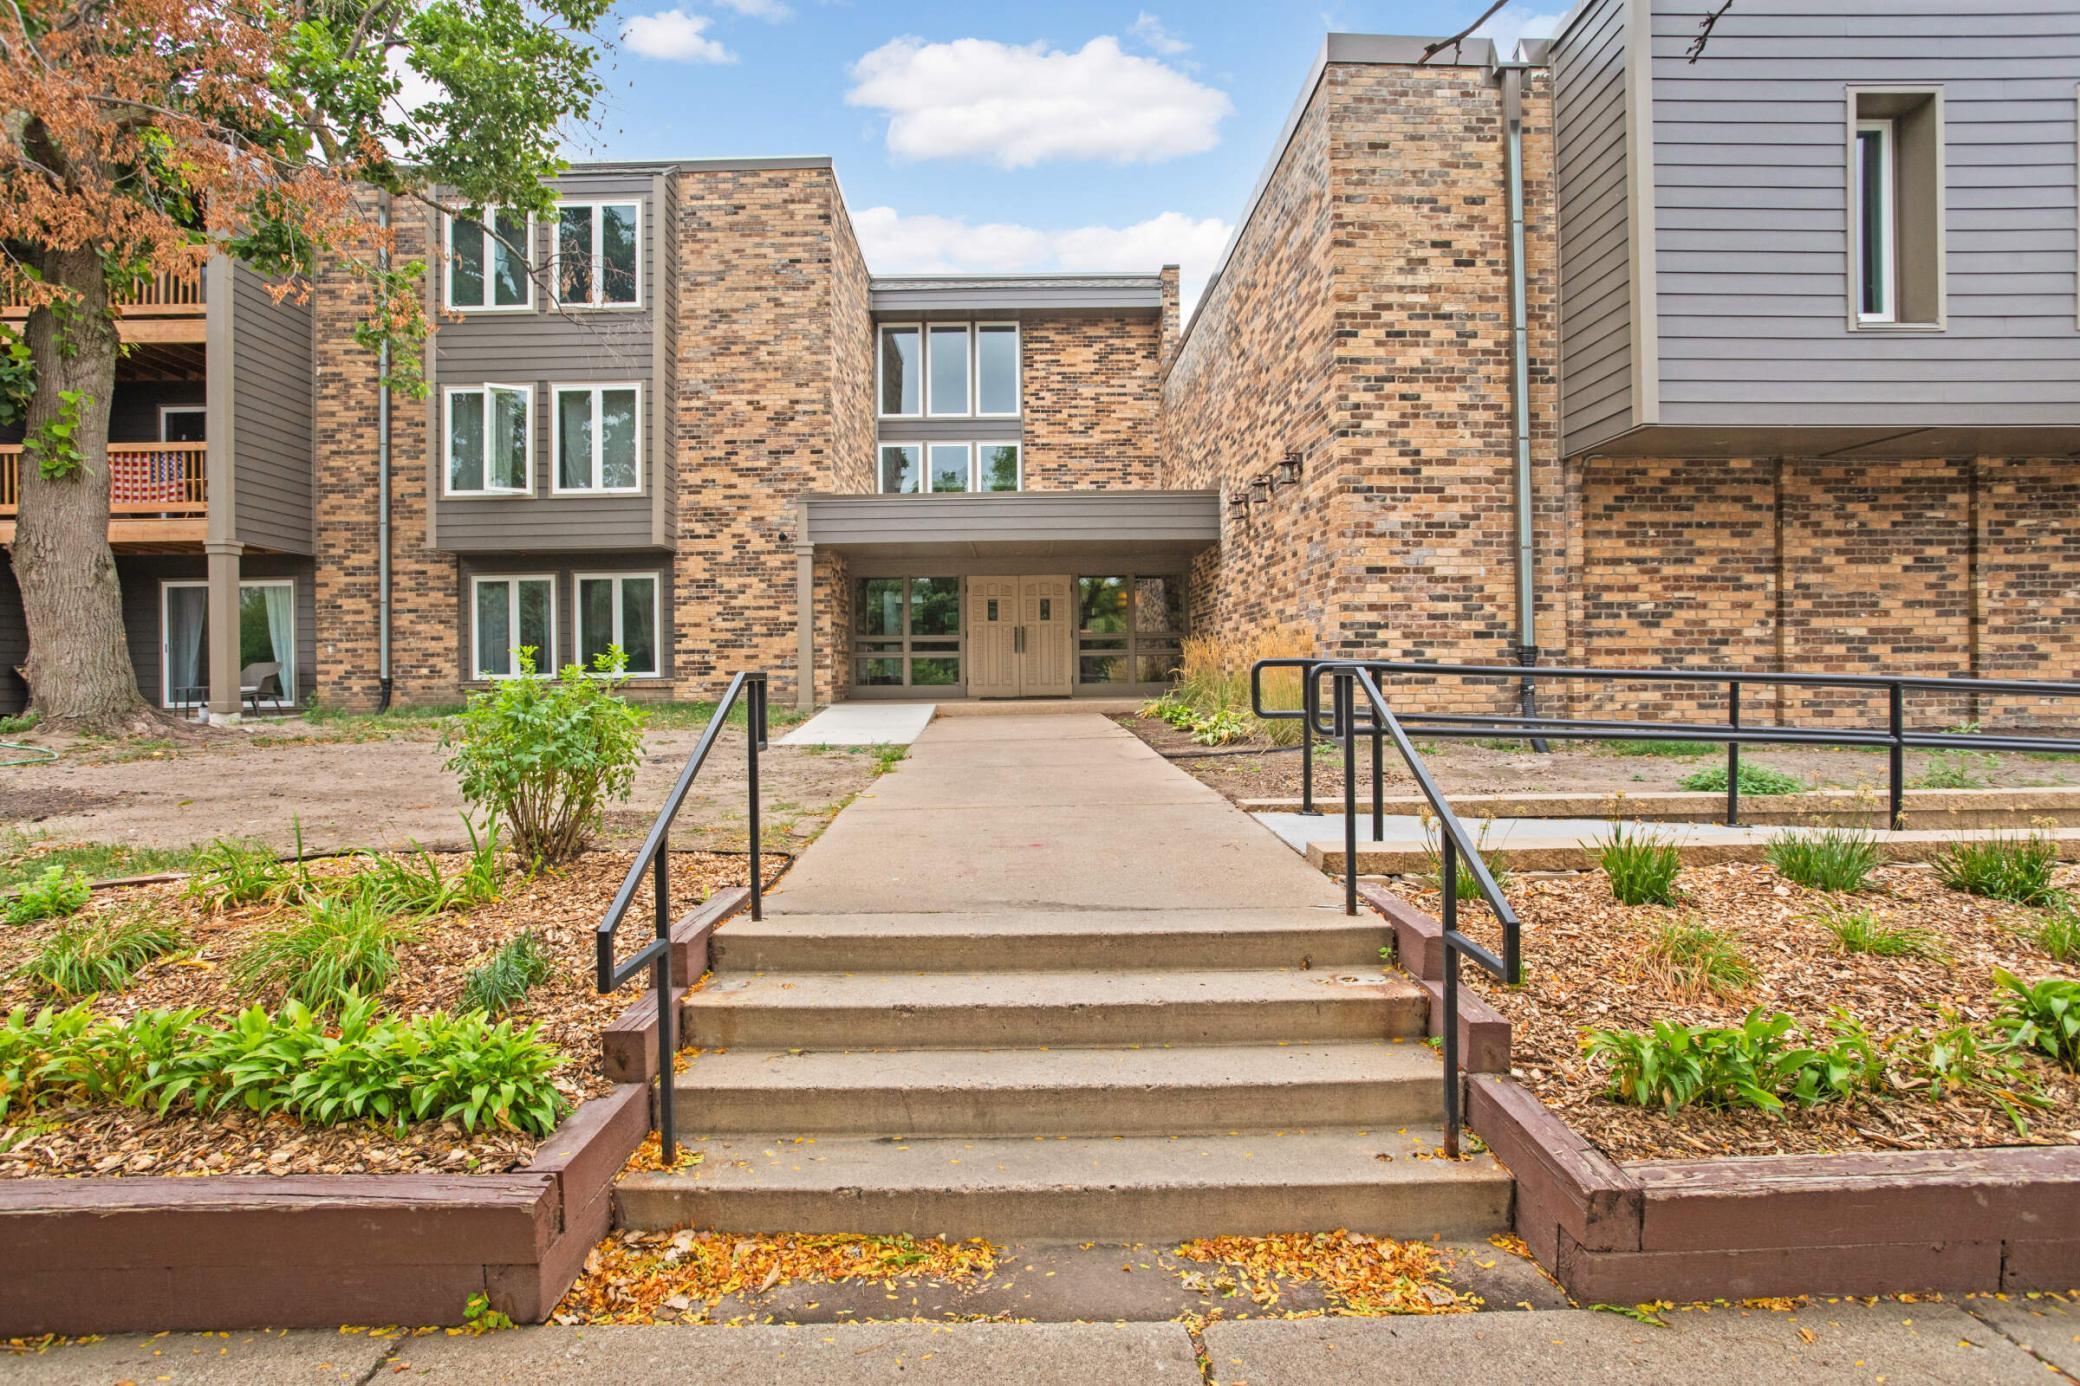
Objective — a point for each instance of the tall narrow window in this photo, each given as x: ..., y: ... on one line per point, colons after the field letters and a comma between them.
x: 948, y: 371
x: 490, y: 443
x: 487, y: 261
x: 997, y: 467
x: 949, y: 467
x: 902, y: 371
x: 598, y: 254
x: 508, y: 615
x: 996, y: 368
x: 598, y: 438
x: 619, y: 611
x: 900, y: 468
x: 1877, y: 221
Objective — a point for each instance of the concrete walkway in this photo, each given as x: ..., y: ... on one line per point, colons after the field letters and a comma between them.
x: 862, y: 724
x: 1979, y: 1342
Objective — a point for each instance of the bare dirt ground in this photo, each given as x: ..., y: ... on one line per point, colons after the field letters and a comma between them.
x: 351, y: 790
x: 1255, y: 771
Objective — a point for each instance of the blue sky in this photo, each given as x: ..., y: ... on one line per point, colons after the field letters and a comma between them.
x: 1006, y: 136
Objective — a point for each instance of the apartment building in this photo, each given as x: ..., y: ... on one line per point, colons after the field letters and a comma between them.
x: 1595, y: 355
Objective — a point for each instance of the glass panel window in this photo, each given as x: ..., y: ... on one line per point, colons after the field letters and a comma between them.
x: 997, y: 467
x: 935, y: 671
x: 1157, y: 664
x: 509, y: 614
x: 949, y: 466
x: 511, y: 287
x: 949, y: 371
x: 1876, y: 217
x: 1102, y: 603
x: 902, y: 377
x: 996, y: 368
x: 935, y: 606
x: 619, y: 611
x: 1158, y: 606
x: 1103, y: 667
x: 490, y: 443
x: 900, y: 463
x: 598, y: 254
x: 881, y: 606
x: 908, y: 631
x: 879, y: 672
x: 598, y: 438
x: 487, y: 261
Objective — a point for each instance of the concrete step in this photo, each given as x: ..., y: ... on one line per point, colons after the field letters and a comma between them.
x: 1383, y: 1182
x: 1077, y: 1092
x: 952, y: 1010
x: 1039, y: 941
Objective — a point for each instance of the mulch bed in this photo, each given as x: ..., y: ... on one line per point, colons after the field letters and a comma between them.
x: 1587, y: 965
x: 562, y: 907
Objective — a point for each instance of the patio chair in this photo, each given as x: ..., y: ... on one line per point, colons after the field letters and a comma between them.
x: 253, y: 681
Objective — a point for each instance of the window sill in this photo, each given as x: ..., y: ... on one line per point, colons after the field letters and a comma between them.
x: 470, y: 311
x: 1884, y: 327
x: 488, y: 495
x: 560, y: 306
x: 594, y: 492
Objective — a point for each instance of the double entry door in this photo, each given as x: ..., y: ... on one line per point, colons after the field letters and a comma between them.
x: 1021, y: 637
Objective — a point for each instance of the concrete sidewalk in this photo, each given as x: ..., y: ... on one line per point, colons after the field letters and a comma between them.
x: 1981, y: 1342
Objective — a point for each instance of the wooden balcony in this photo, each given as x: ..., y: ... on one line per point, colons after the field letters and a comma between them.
x: 164, y: 308
x: 157, y: 492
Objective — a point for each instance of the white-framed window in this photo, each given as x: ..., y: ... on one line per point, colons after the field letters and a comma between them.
x: 598, y: 438
x: 948, y: 466
x: 183, y: 423
x: 900, y: 371
x: 901, y: 468
x: 509, y: 614
x: 599, y: 255
x: 941, y: 468
x: 1000, y: 467
x: 949, y: 362
x: 1877, y: 221
x: 488, y: 262
x: 490, y: 433
x: 619, y: 609
x: 996, y: 369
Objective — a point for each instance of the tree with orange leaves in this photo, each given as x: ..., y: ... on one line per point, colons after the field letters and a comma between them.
x: 141, y: 137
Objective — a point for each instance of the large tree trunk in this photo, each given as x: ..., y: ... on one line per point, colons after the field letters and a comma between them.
x: 79, y: 670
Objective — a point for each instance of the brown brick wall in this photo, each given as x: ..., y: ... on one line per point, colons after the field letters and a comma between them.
x: 1092, y: 402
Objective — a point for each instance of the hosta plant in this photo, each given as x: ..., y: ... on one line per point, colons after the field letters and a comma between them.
x: 2043, y: 1016
x: 1754, y: 1064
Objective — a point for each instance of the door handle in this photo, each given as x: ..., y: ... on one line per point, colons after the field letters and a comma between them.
x: 1018, y: 640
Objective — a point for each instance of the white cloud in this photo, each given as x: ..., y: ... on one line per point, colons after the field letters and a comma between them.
x: 675, y: 36
x: 1019, y: 105
x: 1514, y: 22
x: 1150, y: 31
x: 771, y: 10
x: 927, y: 244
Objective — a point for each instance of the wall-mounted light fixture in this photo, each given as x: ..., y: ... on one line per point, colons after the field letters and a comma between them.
x: 1289, y: 468
x: 1262, y: 487
x: 1239, y: 503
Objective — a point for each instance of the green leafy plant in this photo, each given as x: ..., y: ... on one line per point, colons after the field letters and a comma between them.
x: 1957, y: 1060
x: 545, y: 757
x: 54, y: 444
x: 1464, y: 881
x: 1834, y: 859
x: 2042, y: 1016
x: 1641, y: 866
x: 19, y: 722
x: 1755, y: 779
x: 1221, y: 726
x: 1753, y: 1064
x: 1677, y: 750
x: 343, y: 945
x: 2001, y: 867
x: 232, y: 872
x: 54, y: 893
x: 1698, y: 960
x: 412, y: 882
x: 2059, y: 933
x: 502, y: 981
x: 1959, y: 769
x: 85, y: 957
x: 1862, y: 931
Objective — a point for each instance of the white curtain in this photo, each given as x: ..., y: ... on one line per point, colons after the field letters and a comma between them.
x: 281, y: 633
x: 186, y: 608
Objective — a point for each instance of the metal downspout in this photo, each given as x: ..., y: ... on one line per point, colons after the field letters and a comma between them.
x: 1520, y: 386
x: 383, y: 484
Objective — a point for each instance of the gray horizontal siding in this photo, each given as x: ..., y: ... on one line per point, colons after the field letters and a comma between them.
x: 896, y: 296
x: 1753, y: 224
x: 1596, y: 362
x: 950, y: 430
x: 271, y: 416
x: 549, y: 346
x: 14, y: 639
x: 1030, y: 517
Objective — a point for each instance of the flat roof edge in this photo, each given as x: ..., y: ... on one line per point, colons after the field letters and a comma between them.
x: 751, y: 164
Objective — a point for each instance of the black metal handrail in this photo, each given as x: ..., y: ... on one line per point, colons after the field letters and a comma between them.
x: 655, y: 859
x: 1894, y: 737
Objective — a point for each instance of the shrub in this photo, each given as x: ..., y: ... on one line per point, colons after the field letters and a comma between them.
x: 231, y: 872
x: 2043, y: 1016
x: 412, y: 882
x: 1755, y: 779
x: 85, y: 957
x: 2018, y: 869
x: 501, y: 982
x: 1699, y: 960
x: 344, y: 944
x: 1641, y: 866
x: 1679, y: 750
x: 2059, y: 934
x: 434, y: 1067
x: 545, y: 757
x: 1836, y: 859
x: 55, y: 893
x: 1753, y: 1064
x: 1213, y: 677
x: 1862, y: 931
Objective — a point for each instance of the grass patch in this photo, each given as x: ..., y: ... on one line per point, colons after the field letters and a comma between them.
x: 1698, y: 960
x: 86, y: 957
x: 1957, y: 770
x: 413, y: 883
x: 2059, y: 934
x: 52, y: 893
x: 503, y: 980
x: 19, y: 722
x: 2017, y: 869
x: 345, y: 944
x: 1835, y: 859
x: 1755, y: 779
x: 1678, y: 750
x: 1641, y: 866
x: 233, y: 872
x: 23, y: 858
x: 1862, y: 931
x: 1465, y: 883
